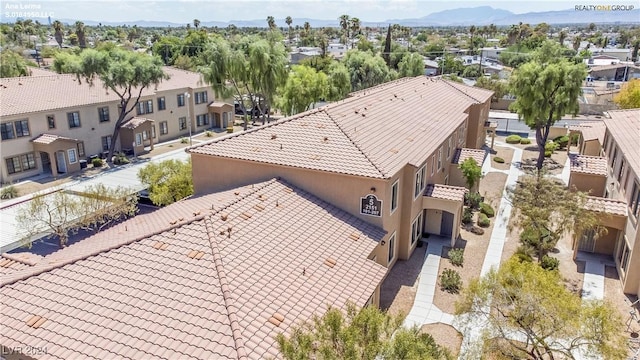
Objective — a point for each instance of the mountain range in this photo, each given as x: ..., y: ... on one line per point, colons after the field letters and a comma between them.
x: 483, y: 15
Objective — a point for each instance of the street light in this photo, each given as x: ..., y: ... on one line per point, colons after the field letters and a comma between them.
x: 187, y: 96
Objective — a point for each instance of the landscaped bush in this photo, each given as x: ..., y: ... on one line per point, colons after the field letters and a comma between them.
x: 472, y: 199
x: 487, y: 210
x: 523, y: 254
x: 450, y: 281
x: 548, y: 153
x: 483, y: 220
x: 574, y: 139
x: 549, y: 263
x: 562, y: 141
x: 456, y: 256
x: 498, y: 159
x: 525, y: 141
x: 551, y: 146
x: 230, y: 129
x: 513, y: 139
x: 120, y: 159
x: 96, y: 162
x: 467, y: 216
x: 184, y: 140
x: 208, y: 133
x: 9, y: 192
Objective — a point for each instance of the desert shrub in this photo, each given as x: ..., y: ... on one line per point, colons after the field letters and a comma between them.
x: 523, y: 254
x: 208, y: 133
x: 513, y: 139
x: 9, y: 192
x: 483, y: 220
x: 574, y: 139
x: 525, y: 141
x: 476, y: 230
x: 467, y: 216
x: 487, y: 210
x: 498, y: 159
x: 184, y: 140
x: 120, y: 159
x: 549, y: 263
x: 96, y: 162
x: 551, y: 146
x: 472, y: 199
x: 562, y: 141
x: 548, y: 153
x: 450, y: 281
x: 456, y: 256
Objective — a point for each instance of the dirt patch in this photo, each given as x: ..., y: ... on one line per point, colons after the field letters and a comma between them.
x: 492, y: 187
x: 553, y: 164
x: 398, y: 290
x: 504, y: 153
x: 444, y: 335
x: 613, y: 293
x: 572, y: 271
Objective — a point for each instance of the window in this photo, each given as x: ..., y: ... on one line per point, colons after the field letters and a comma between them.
x: 164, y: 129
x: 22, y: 128
x: 72, y: 156
x: 182, y: 123
x: 51, y: 121
x: 149, y: 106
x: 145, y: 107
x: 81, y: 149
x: 460, y: 135
x: 162, y: 105
x: 6, y: 130
x: 623, y: 255
x: 433, y: 164
x: 634, y: 200
x: 449, y: 149
x: 106, y: 143
x: 153, y: 131
x: 613, y: 158
x: 74, y: 119
x: 103, y: 114
x: 620, y: 170
x: 180, y: 99
x: 420, y: 181
x: 21, y: 163
x: 440, y: 158
x: 392, y: 247
x: 138, y: 139
x: 394, y: 195
x: 416, y: 229
x: 202, y: 120
x: 201, y: 97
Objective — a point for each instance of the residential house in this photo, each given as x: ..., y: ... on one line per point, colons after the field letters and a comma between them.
x: 615, y: 72
x: 302, y: 53
x: 337, y: 50
x: 217, y: 276
x: 492, y: 52
x: 385, y: 155
x: 614, y: 182
x: 601, y: 60
x: 50, y: 122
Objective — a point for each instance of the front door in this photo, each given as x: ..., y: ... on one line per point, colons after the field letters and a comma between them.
x: 46, y: 162
x: 446, y: 224
x: 587, y: 241
x: 61, y: 162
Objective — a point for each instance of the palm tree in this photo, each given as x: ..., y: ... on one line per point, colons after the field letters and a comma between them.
x: 271, y: 22
x: 576, y: 42
x: 344, y: 24
x: 562, y: 36
x: 80, y: 34
x: 289, y: 21
x: 472, y: 31
x: 59, y: 32
x: 324, y: 43
x: 354, y: 25
x: 196, y: 23
x: 512, y: 34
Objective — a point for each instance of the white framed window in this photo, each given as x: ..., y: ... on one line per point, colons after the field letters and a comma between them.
x: 394, y: 196
x: 460, y: 135
x: 416, y: 228
x: 433, y: 164
x: 623, y: 256
x: 138, y: 139
x: 449, y: 148
x: 200, y: 97
x: 164, y: 129
x: 392, y: 247
x: 74, y: 119
x: 73, y: 158
x: 180, y: 100
x: 106, y: 143
x: 182, y: 123
x: 420, y: 181
x: 440, y: 158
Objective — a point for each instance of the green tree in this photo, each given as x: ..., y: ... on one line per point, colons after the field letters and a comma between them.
x: 58, y: 32
x: 271, y: 22
x: 471, y: 72
x: 530, y: 314
x: 339, y: 82
x: 168, y: 181
x: 450, y: 65
x: 357, y: 334
x: 267, y: 67
x: 289, y: 21
x: 196, y: 23
x: 12, y: 64
x: 63, y: 213
x: 354, y: 26
x: 471, y: 172
x: 366, y: 70
x: 304, y: 87
x: 546, y: 88
x: 546, y: 210
x: 412, y: 64
x: 629, y: 95
x: 80, y: 33
x: 345, y: 24
x: 499, y: 88
x: 125, y: 73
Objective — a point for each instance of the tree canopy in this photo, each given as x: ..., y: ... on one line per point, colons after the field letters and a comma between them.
x: 12, y: 64
x: 358, y: 334
x: 366, y: 70
x: 471, y: 172
x: 167, y: 181
x: 531, y: 315
x: 304, y: 87
x: 412, y: 64
x: 629, y: 95
x: 546, y: 89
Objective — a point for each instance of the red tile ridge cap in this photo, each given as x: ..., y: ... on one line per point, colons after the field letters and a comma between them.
x: 226, y: 291
x: 20, y: 259
x: 45, y: 266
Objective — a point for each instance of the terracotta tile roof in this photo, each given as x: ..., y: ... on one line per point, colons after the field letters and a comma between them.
x: 212, y: 277
x: 445, y: 192
x: 47, y: 139
x: 591, y: 130
x: 17, y: 261
x: 606, y: 205
x: 28, y: 94
x: 373, y: 133
x: 624, y: 127
x: 593, y: 165
x: 134, y: 122
x: 463, y: 154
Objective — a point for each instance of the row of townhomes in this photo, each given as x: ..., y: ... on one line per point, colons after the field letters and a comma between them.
x: 288, y: 218
x: 51, y: 122
x: 608, y: 167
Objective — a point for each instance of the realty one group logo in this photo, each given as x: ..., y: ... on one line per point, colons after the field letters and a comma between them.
x: 604, y: 7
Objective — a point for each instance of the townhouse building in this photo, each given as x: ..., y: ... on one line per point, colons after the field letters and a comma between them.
x: 613, y: 181
x: 50, y: 122
x: 387, y: 155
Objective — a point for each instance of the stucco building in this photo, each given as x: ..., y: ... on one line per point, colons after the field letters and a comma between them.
x: 50, y: 122
x: 387, y: 155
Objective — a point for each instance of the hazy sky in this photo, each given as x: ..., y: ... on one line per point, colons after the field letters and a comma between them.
x: 184, y: 11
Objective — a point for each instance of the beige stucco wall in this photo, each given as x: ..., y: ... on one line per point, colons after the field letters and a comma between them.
x: 476, y: 133
x: 591, y: 148
x: 595, y: 185
x: 434, y: 208
x: 556, y: 131
x: 606, y: 243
